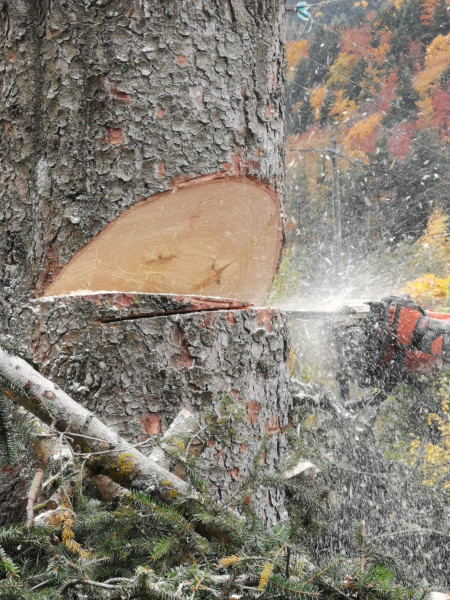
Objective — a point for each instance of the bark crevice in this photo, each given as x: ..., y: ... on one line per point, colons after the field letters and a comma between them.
x: 102, y: 106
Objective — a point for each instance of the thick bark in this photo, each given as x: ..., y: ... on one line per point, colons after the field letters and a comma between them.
x: 106, y: 103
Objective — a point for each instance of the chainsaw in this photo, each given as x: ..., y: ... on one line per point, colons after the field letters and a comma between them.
x: 381, y: 344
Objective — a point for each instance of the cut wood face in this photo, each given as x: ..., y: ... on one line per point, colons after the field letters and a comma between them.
x: 220, y: 238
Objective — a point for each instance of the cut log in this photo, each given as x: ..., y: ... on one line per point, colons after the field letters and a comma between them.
x: 219, y: 238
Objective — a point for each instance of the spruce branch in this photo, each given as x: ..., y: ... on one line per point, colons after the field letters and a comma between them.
x: 324, y: 570
x: 7, y: 564
x: 361, y: 548
x: 8, y: 446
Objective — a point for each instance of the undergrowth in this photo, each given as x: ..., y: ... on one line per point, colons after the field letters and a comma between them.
x: 137, y: 547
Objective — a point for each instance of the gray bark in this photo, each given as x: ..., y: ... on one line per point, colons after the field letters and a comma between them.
x: 137, y: 371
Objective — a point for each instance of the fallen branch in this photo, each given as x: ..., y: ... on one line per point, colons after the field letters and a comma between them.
x: 120, y: 460
x: 184, y: 426
x: 32, y: 495
x: 70, y: 584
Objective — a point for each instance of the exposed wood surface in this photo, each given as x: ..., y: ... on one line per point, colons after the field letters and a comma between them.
x: 221, y: 238
x: 32, y: 495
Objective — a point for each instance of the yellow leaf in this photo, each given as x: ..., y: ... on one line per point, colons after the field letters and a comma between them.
x: 343, y: 107
x: 436, y: 233
x: 295, y: 51
x: 364, y: 128
x: 316, y: 99
x: 436, y: 62
x: 428, y: 290
x: 341, y: 69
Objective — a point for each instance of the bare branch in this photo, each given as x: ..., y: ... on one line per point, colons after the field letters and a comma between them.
x: 74, y: 583
x: 32, y: 495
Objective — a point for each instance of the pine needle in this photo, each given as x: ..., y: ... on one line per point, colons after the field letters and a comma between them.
x: 229, y: 561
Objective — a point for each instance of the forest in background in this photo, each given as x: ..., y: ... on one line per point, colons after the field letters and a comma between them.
x: 375, y: 78
x: 369, y: 90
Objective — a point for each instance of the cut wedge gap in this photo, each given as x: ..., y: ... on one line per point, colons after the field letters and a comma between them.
x: 221, y: 238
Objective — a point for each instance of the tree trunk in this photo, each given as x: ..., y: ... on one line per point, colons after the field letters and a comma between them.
x: 108, y: 108
x: 136, y: 370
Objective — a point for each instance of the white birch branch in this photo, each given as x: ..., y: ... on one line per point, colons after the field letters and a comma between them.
x: 121, y: 461
x: 184, y: 426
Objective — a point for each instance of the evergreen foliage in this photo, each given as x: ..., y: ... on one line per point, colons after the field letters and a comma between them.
x: 137, y: 547
x: 15, y: 424
x: 8, y: 446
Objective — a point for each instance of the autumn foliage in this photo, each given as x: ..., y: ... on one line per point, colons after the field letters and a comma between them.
x: 429, y: 7
x: 295, y: 51
x: 436, y: 62
x: 364, y: 85
x: 380, y: 86
x: 364, y: 133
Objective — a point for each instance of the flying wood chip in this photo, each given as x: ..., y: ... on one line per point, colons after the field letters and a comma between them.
x: 221, y: 238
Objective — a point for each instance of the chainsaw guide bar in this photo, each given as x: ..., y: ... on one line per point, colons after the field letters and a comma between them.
x: 346, y: 313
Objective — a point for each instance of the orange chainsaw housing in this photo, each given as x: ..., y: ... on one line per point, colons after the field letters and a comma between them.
x: 408, y: 327
x: 395, y: 342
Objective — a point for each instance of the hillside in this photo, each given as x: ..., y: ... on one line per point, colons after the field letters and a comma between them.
x: 378, y: 82
x: 368, y: 119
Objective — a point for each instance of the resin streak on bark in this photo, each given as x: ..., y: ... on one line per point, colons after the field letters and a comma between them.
x: 220, y: 238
